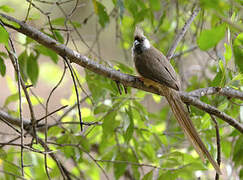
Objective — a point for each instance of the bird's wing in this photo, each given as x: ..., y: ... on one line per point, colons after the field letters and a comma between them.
x: 155, y: 66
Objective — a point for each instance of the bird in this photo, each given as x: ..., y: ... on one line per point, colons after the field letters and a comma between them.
x: 156, y: 70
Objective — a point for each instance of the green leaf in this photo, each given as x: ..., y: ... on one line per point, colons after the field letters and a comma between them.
x: 47, y: 52
x: 3, y: 153
x: 131, y: 6
x: 23, y: 65
x: 101, y: 109
x: 2, y: 67
x: 238, y: 51
x: 221, y: 66
x: 65, y: 138
x: 96, y: 85
x: 219, y: 79
x: 11, y: 23
x: 109, y: 124
x: 215, y: 5
x: 111, y: 86
x: 34, y: 16
x: 123, y: 68
x: 210, y: 38
x: 11, y: 98
x: 119, y: 168
x: 238, y: 77
x: 59, y: 36
x: 3, y: 54
x: 226, y: 148
x: 238, y: 149
x: 154, y: 5
x: 11, y: 85
x: 130, y: 127
x: 53, y: 131
x: 148, y: 176
x: 227, y: 53
x: 171, y: 175
x: 68, y: 151
x: 241, y: 173
x: 4, y: 36
x: 141, y: 15
x: 161, y: 20
x: 156, y: 98
x: 6, y: 9
x: 102, y: 14
x: 32, y: 68
x: 58, y: 21
x: 75, y: 24
x: 84, y: 142
x: 10, y: 166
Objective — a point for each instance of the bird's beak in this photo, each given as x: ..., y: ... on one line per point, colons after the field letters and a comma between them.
x: 136, y: 42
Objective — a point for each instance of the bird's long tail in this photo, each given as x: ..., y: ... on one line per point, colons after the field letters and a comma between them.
x: 186, y: 124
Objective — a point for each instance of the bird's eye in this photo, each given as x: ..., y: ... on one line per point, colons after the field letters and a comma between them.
x: 139, y: 39
x: 136, y: 38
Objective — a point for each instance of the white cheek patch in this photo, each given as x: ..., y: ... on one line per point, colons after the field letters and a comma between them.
x: 146, y: 44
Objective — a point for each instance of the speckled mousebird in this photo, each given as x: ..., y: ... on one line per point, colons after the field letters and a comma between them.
x: 156, y: 70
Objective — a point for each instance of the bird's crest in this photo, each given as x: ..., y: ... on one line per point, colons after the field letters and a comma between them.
x: 138, y: 32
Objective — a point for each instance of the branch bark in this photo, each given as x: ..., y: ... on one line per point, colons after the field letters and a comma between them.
x: 125, y: 79
x: 227, y: 91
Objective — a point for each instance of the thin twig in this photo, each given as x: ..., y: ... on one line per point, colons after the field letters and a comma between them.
x: 14, y: 59
x: 49, y: 2
x: 53, y: 112
x: 28, y: 11
x: 78, y: 146
x: 17, y: 69
x: 239, y: 27
x: 218, y: 144
x: 46, y: 115
x: 71, y: 108
x: 182, y: 33
x: 76, y: 91
x: 184, y: 52
x: 10, y: 125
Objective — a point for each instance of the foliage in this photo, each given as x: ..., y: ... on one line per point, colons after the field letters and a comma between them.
x: 127, y: 139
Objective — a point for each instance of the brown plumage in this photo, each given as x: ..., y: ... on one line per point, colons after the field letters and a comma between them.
x: 151, y: 64
x: 159, y: 71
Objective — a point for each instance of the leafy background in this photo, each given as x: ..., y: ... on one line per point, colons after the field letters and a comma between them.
x: 135, y: 135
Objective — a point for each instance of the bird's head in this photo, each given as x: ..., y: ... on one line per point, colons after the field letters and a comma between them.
x: 141, y: 43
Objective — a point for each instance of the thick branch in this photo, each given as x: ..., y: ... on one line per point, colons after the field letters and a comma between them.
x: 127, y: 80
x: 227, y: 91
x: 211, y: 110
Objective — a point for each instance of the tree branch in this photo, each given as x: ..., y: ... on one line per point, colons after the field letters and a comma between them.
x: 125, y: 79
x: 182, y: 33
x: 211, y: 110
x: 177, y: 55
x: 27, y: 124
x: 227, y: 91
x: 13, y: 120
